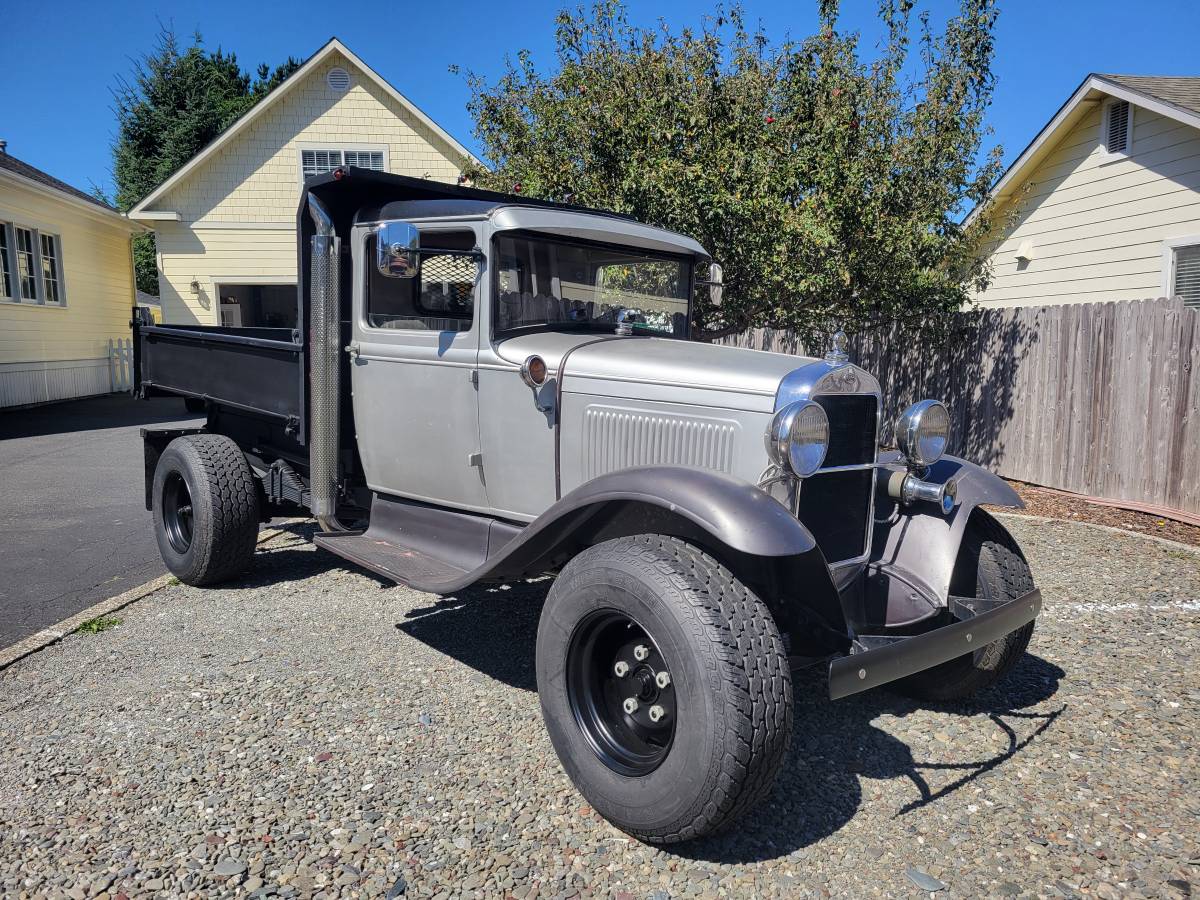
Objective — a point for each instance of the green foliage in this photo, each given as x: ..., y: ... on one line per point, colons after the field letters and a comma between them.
x: 99, y: 624
x: 177, y: 101
x: 828, y: 186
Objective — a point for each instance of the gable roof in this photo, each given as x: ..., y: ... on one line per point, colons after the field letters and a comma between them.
x: 32, y: 177
x: 331, y: 47
x: 10, y: 163
x: 1176, y: 98
x: 1183, y: 92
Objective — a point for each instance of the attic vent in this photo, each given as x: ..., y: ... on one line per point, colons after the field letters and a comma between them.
x: 338, y: 80
x: 1187, y: 275
x: 1117, y: 130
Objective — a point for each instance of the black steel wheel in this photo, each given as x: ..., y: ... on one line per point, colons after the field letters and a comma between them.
x: 206, y: 512
x: 664, y: 686
x: 621, y: 692
x: 177, y: 512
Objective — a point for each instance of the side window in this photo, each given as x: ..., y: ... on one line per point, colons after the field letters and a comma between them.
x: 442, y: 299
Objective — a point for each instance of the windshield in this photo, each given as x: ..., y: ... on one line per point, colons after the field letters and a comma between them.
x: 553, y: 284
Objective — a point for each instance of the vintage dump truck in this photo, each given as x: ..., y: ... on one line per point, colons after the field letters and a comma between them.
x: 484, y: 387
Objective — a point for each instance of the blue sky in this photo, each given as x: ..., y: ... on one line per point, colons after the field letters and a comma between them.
x: 61, y: 59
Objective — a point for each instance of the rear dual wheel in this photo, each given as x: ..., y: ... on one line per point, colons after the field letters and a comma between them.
x: 665, y: 687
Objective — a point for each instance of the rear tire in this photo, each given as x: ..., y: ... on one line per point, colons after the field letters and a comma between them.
x: 991, y: 565
x: 205, y: 509
x: 659, y: 604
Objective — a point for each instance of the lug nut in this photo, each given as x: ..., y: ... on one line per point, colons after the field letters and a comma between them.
x: 662, y: 679
x: 656, y: 712
x: 631, y: 705
x: 621, y: 668
x: 641, y: 651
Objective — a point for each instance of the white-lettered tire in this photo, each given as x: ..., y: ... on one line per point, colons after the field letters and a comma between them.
x: 724, y: 719
x: 205, y: 509
x: 990, y: 565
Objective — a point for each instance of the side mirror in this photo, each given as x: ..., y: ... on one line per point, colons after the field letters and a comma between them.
x: 715, y: 282
x: 397, y: 250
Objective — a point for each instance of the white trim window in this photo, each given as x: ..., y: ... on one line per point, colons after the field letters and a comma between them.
x: 319, y: 161
x: 30, y: 266
x: 1185, y: 273
x: 1116, y: 129
x: 6, y: 277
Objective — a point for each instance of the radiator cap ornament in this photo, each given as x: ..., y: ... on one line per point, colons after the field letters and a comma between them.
x: 837, y: 354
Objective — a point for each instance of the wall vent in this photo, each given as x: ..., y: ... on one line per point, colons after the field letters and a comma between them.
x: 338, y: 80
x: 1117, y: 130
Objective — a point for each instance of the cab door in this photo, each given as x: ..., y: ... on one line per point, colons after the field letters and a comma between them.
x: 414, y: 358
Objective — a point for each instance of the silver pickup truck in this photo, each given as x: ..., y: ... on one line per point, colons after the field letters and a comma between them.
x: 484, y: 387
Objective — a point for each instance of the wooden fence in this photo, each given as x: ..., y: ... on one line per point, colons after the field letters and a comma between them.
x: 1097, y: 398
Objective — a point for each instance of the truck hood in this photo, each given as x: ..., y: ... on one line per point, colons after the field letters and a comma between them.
x: 645, y: 368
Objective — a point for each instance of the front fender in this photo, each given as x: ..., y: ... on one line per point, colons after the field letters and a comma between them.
x: 730, y: 511
x: 750, y: 532
x: 914, y: 549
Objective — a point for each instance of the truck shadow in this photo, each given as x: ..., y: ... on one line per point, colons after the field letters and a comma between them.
x: 836, y: 748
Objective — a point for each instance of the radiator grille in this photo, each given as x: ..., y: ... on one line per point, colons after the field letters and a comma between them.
x: 616, y: 438
x: 852, y: 421
x: 836, y: 505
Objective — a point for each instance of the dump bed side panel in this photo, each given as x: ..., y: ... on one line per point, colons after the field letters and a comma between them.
x: 256, y: 370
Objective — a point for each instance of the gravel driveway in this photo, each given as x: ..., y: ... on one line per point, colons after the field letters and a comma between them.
x: 312, y: 730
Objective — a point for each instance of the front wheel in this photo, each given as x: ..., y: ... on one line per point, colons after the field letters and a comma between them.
x: 205, y: 509
x: 990, y: 565
x: 664, y: 686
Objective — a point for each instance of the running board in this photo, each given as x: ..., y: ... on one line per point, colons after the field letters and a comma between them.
x: 425, y: 547
x: 395, y: 561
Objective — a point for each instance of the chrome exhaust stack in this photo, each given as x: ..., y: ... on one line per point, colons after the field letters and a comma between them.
x: 325, y: 379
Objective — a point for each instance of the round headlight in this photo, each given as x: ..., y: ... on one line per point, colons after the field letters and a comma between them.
x: 923, y: 431
x: 798, y: 438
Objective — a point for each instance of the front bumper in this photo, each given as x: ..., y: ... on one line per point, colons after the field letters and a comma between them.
x: 903, y: 656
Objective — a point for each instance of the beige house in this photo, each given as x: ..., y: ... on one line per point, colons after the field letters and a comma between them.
x: 1106, y: 199
x: 66, y: 287
x: 226, y: 221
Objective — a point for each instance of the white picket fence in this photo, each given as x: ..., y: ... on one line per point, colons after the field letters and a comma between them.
x: 120, y: 363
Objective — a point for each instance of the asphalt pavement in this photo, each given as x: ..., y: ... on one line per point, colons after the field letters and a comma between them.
x: 73, y: 525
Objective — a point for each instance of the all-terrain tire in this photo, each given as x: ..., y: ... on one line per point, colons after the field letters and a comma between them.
x: 990, y: 565
x: 729, y: 670
x: 212, y: 473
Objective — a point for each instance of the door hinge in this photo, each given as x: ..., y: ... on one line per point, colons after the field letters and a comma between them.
x: 474, y: 376
x: 475, y: 459
x: 353, y: 349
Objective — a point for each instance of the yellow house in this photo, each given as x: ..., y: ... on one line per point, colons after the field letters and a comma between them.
x: 1105, y: 202
x: 225, y: 223
x: 66, y: 287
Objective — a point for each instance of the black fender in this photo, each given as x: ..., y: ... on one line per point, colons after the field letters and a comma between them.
x: 914, y: 548
x: 762, y: 543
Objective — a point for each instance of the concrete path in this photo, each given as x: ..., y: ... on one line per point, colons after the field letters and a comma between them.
x: 73, y: 528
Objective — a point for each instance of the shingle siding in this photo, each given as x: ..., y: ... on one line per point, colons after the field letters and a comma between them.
x: 1098, y: 224
x: 255, y: 180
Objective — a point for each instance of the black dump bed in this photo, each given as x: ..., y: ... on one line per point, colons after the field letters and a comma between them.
x: 254, y: 370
